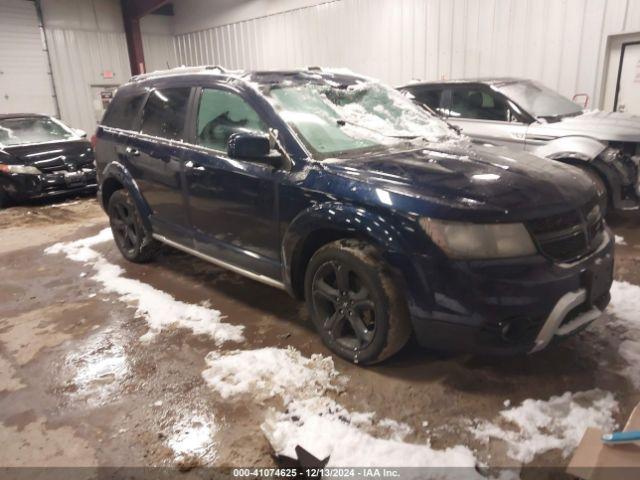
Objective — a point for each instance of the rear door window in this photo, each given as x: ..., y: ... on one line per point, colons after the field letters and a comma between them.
x: 221, y: 114
x: 123, y: 111
x: 165, y: 113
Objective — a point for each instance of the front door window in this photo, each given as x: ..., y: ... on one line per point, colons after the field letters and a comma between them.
x: 221, y: 114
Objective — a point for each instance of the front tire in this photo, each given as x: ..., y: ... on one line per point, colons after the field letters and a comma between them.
x: 133, y: 241
x: 354, y: 302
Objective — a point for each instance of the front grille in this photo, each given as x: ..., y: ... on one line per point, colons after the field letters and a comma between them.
x: 555, y: 223
x: 52, y: 167
x: 59, y: 166
x: 569, y: 236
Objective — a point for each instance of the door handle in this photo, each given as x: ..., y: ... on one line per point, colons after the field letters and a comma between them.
x: 132, y: 152
x: 190, y: 165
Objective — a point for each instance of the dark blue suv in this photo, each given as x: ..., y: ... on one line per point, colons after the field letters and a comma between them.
x: 345, y: 193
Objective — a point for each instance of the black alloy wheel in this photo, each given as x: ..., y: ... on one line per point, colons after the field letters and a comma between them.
x: 355, y: 302
x: 125, y: 230
x: 345, y: 304
x: 133, y: 241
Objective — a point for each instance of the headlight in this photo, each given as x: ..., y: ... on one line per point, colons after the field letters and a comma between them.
x: 24, y: 169
x: 466, y: 241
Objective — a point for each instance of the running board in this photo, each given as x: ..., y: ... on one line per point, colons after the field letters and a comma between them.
x: 220, y: 263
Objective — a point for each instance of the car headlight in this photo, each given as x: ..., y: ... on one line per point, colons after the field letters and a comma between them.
x: 24, y: 169
x: 467, y: 241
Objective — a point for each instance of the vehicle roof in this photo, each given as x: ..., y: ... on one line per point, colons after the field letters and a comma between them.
x: 483, y: 80
x: 5, y: 116
x: 250, y: 76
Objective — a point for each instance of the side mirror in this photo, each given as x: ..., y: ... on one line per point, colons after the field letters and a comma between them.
x: 80, y: 133
x: 251, y: 146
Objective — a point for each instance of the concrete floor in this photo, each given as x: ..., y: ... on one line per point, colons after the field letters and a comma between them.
x: 79, y: 387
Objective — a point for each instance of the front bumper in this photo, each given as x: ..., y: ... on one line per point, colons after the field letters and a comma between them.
x: 22, y: 187
x: 622, y: 175
x: 506, y: 306
x: 559, y: 323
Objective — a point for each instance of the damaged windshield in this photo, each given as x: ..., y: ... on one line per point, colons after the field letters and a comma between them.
x: 538, y: 100
x: 336, y: 119
x: 20, y: 130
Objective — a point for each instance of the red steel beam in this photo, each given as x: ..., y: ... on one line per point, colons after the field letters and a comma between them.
x: 132, y: 12
x: 134, y: 45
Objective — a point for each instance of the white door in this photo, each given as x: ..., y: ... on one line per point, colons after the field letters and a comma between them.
x: 628, y: 99
x: 25, y: 82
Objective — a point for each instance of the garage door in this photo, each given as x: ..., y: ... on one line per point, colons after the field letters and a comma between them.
x: 25, y: 84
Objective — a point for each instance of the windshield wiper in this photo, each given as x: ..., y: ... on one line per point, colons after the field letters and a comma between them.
x: 341, y: 122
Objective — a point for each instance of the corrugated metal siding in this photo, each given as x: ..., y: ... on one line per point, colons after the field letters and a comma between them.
x: 78, y: 58
x: 25, y: 84
x: 86, y: 38
x: 159, y: 51
x: 559, y: 42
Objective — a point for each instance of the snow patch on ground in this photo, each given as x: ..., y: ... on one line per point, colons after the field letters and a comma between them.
x: 620, y: 240
x: 538, y: 426
x: 625, y: 306
x: 158, y: 308
x: 193, y: 437
x: 314, y: 421
x: 269, y: 372
x: 326, y: 429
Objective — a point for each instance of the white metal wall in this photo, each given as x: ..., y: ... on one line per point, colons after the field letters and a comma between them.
x: 25, y: 82
x: 157, y: 42
x: 78, y: 58
x: 559, y: 42
x: 86, y: 38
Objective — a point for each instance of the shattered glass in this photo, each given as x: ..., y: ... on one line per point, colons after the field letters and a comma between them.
x: 333, y: 118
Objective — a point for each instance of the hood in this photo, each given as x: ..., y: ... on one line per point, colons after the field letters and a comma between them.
x: 53, y: 156
x: 462, y: 181
x: 605, y: 126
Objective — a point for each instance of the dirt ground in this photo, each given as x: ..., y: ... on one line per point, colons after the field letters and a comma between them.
x: 79, y: 388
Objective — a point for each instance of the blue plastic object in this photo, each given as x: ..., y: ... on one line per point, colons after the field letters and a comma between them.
x: 622, y: 437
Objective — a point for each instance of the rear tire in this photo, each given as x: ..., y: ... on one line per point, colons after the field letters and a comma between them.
x: 4, y: 198
x: 132, y: 239
x: 354, y: 302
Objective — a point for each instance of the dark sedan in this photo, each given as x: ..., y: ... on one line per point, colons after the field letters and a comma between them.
x: 42, y: 157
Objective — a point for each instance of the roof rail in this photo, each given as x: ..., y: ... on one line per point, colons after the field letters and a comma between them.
x: 216, y: 67
x: 178, y: 70
x: 314, y: 68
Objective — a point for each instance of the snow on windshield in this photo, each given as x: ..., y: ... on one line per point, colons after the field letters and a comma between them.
x: 21, y: 130
x: 539, y: 100
x: 337, y: 118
